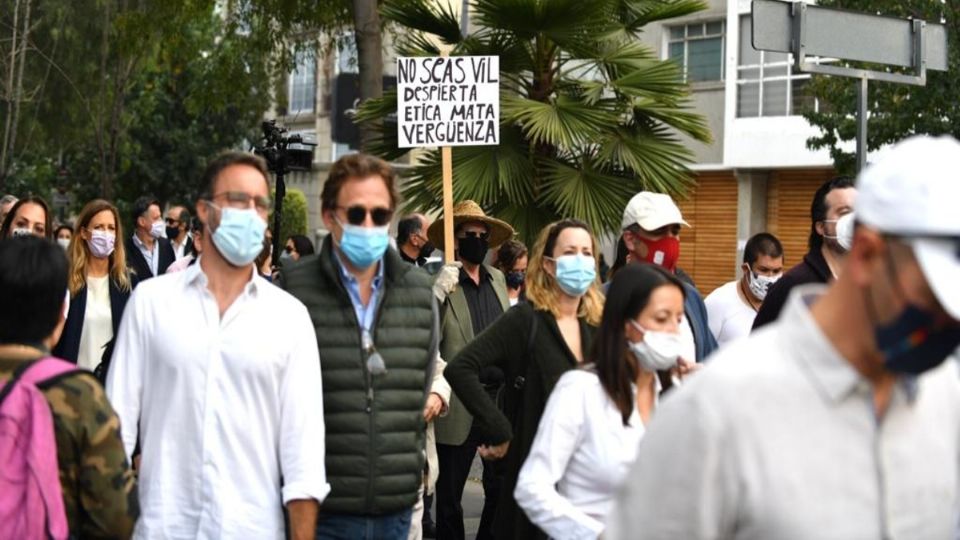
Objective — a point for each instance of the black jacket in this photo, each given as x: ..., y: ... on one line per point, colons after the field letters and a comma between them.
x: 813, y: 269
x: 531, y: 368
x: 140, y: 266
x: 68, y: 347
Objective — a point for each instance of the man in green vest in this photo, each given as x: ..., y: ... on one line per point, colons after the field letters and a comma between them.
x: 376, y: 321
x: 476, y: 299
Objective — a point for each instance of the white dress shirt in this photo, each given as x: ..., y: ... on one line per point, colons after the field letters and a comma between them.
x: 226, y: 407
x: 777, y: 438
x: 580, y: 456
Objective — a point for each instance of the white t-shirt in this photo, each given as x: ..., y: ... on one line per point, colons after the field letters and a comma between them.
x: 97, y: 323
x: 728, y: 315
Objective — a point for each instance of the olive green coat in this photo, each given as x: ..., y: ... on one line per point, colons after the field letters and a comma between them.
x: 456, y: 330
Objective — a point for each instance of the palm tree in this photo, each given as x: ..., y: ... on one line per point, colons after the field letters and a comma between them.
x: 589, y: 115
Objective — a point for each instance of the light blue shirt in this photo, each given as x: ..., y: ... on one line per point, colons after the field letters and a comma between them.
x: 152, y: 257
x: 365, y: 313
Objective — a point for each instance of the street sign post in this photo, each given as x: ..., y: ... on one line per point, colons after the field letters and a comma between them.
x: 806, y: 30
x: 448, y: 101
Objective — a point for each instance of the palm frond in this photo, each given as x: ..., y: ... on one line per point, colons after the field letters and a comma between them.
x: 678, y: 117
x: 565, y: 122
x: 434, y: 18
x: 580, y: 190
x: 635, y: 14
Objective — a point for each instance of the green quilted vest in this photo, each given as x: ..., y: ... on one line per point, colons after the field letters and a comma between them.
x: 375, y: 437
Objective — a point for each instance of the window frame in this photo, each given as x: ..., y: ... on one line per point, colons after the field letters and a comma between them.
x: 296, y: 82
x: 686, y: 39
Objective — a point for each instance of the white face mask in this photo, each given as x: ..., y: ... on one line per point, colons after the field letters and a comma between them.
x: 659, y: 351
x: 760, y: 285
x: 64, y: 242
x: 158, y: 229
x: 843, y: 230
x: 21, y: 231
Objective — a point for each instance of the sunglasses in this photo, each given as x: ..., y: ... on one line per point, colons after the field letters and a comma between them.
x: 475, y: 234
x: 357, y: 215
x: 375, y: 363
x: 172, y: 222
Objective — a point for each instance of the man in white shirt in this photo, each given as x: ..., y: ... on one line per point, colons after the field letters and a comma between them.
x: 842, y: 419
x: 732, y: 307
x: 230, y: 422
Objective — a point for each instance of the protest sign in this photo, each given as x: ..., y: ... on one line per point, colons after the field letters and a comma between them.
x: 448, y: 101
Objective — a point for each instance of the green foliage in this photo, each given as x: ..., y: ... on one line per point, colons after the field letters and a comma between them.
x: 896, y: 110
x: 135, y: 97
x: 589, y: 116
x: 294, y: 218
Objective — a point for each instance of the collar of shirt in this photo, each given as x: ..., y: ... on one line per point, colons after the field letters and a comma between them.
x: 364, y: 313
x: 484, y: 276
x: 195, y: 277
x: 827, y: 370
x: 139, y: 243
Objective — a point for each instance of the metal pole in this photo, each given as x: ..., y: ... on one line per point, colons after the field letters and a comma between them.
x: 280, y: 193
x: 464, y: 17
x: 862, y: 124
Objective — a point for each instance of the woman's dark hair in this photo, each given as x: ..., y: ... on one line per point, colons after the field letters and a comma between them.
x: 33, y: 285
x: 508, y: 255
x: 56, y: 232
x: 12, y: 214
x: 302, y: 244
x: 628, y: 295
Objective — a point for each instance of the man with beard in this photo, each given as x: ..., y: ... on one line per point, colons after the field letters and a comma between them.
x: 822, y: 263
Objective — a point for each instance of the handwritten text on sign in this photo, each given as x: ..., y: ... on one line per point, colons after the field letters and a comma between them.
x: 451, y: 101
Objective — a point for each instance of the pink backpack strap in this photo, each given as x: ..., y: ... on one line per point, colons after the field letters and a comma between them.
x: 45, y: 369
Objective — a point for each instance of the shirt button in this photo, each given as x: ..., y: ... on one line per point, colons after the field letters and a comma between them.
x: 368, y: 409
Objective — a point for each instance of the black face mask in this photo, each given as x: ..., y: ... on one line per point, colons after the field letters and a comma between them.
x: 515, y: 279
x: 472, y: 249
x: 173, y: 232
x: 427, y: 249
x: 912, y: 344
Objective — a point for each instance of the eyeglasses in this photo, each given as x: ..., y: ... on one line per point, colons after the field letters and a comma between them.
x: 241, y: 200
x: 475, y: 234
x: 356, y: 215
x: 375, y: 363
x: 172, y: 222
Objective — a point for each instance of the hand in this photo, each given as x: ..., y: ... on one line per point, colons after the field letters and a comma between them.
x: 685, y: 367
x: 446, y: 281
x: 493, y: 452
x: 433, y: 408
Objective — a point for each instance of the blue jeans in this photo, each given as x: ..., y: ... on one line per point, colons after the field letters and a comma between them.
x: 353, y: 527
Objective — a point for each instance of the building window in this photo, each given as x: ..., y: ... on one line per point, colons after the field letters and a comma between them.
x: 303, y: 83
x: 767, y: 84
x: 698, y: 49
x: 347, y: 61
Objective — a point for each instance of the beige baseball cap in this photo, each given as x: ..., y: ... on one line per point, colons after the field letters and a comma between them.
x: 651, y: 211
x: 913, y: 192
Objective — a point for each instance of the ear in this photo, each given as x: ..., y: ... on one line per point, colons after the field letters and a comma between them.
x: 628, y: 240
x: 819, y: 227
x: 866, y: 256
x: 328, y: 221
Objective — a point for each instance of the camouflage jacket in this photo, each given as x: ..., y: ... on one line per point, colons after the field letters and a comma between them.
x: 99, y: 488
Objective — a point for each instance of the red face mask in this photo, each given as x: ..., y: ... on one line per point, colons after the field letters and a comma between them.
x: 663, y: 252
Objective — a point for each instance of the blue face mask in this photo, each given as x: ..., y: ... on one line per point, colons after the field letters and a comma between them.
x: 575, y: 273
x: 911, y: 343
x: 239, y: 237
x: 363, y: 246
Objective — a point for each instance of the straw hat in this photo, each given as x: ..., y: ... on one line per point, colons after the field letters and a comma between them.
x: 500, y: 231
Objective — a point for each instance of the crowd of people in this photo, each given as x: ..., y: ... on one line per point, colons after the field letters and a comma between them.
x: 171, y: 383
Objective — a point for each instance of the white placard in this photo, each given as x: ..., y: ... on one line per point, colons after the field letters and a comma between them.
x: 448, y: 101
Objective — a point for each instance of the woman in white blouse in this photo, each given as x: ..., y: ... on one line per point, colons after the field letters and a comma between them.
x: 595, y: 417
x: 99, y: 284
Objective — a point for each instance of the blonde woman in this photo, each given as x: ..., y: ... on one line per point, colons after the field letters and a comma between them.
x: 534, y: 344
x: 99, y: 284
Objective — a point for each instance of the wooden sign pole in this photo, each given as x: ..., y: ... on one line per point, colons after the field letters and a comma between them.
x: 446, y: 155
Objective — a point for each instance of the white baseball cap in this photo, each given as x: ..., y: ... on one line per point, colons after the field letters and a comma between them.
x: 913, y: 192
x: 651, y: 211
